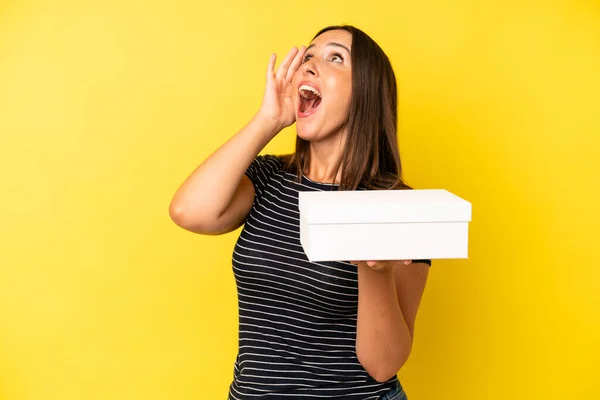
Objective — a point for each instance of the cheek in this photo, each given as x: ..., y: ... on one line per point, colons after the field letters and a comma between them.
x: 339, y: 92
x: 348, y: 96
x: 341, y: 101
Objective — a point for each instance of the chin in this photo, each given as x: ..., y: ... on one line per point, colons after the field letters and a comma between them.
x: 306, y: 134
x: 313, y: 135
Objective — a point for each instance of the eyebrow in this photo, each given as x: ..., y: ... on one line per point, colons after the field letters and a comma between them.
x: 334, y: 44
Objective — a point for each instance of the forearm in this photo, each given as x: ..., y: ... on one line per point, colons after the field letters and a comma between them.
x: 383, y: 339
x: 211, y: 187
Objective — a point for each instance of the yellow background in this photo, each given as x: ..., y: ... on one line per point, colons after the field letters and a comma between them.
x: 106, y: 106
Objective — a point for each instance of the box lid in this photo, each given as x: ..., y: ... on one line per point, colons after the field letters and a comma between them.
x: 383, y: 206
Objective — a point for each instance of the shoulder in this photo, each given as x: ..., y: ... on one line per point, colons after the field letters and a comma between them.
x: 263, y: 169
x: 272, y: 161
x: 266, y: 164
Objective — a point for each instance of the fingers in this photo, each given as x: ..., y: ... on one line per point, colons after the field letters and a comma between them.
x: 295, y: 64
x: 374, y: 264
x: 285, y: 64
x: 288, y: 67
x: 271, y: 67
x: 361, y: 262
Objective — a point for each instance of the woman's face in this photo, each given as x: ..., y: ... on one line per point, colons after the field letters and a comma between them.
x: 323, y: 86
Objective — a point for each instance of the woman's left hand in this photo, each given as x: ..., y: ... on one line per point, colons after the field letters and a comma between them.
x: 382, y: 266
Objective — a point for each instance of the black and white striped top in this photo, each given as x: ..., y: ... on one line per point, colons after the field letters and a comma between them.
x: 297, y: 319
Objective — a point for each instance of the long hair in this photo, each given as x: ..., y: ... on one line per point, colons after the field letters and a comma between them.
x: 371, y: 158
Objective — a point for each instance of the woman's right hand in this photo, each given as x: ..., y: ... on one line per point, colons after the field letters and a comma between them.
x: 277, y: 107
x: 217, y: 197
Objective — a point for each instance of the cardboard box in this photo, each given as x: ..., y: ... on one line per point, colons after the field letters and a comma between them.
x: 384, y: 225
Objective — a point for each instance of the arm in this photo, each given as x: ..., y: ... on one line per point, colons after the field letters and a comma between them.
x: 389, y: 297
x: 217, y: 196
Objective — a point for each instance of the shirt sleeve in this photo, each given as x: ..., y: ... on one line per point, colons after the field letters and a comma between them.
x: 261, y: 170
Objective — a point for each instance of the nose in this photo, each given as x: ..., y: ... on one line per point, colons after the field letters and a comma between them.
x: 309, y: 68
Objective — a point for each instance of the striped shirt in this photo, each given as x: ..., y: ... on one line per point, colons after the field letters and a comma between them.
x: 297, y: 319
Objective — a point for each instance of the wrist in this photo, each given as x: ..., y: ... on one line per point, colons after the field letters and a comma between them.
x: 269, y: 126
x: 378, y: 280
x: 380, y: 270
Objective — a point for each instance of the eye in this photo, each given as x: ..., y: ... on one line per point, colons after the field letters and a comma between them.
x: 336, y: 57
x: 306, y: 57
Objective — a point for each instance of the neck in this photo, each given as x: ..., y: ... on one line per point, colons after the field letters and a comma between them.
x: 325, y: 157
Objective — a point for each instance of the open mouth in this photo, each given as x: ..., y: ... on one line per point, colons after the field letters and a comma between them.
x: 310, y: 98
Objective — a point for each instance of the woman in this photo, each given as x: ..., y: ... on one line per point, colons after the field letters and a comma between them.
x: 336, y: 330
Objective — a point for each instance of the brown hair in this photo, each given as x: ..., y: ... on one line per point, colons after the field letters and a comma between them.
x: 371, y: 158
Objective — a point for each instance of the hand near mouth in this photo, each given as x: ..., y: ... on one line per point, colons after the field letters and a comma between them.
x: 277, y: 106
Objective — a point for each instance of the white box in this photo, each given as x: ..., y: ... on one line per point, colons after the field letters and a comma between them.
x: 384, y: 225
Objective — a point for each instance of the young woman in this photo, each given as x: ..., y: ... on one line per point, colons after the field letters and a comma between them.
x: 330, y: 330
